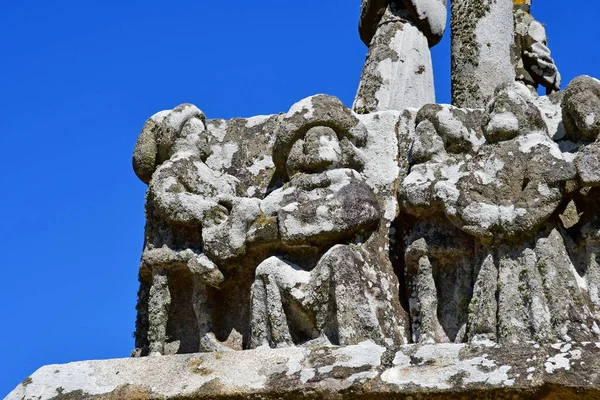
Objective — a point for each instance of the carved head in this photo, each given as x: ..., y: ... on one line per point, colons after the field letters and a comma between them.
x: 580, y: 109
x: 511, y: 113
x: 318, y: 133
x: 167, y: 132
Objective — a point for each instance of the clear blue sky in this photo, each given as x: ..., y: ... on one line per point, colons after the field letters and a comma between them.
x: 78, y: 80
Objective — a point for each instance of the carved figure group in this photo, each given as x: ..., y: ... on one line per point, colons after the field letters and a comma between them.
x: 301, y: 244
x: 399, y: 221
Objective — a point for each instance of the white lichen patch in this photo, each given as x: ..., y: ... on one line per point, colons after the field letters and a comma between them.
x: 222, y: 155
x: 304, y: 106
x: 361, y: 355
x: 486, y: 215
x: 489, y: 170
x: 441, y: 366
x: 559, y: 361
x: 256, y: 120
x: 529, y: 142
x: 589, y: 120
x: 260, y: 164
x: 562, y: 360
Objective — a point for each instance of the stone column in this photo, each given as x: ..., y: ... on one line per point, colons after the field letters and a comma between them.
x: 398, y: 72
x: 482, y: 39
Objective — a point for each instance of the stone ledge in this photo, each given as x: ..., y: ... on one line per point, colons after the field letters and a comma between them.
x: 364, y: 371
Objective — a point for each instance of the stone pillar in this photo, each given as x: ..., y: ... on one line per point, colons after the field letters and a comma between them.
x: 482, y: 39
x: 398, y: 71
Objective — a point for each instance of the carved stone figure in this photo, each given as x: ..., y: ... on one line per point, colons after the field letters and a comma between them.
x: 183, y: 195
x: 534, y: 65
x: 493, y: 181
x: 398, y: 72
x: 220, y: 242
x: 195, y: 210
x: 324, y: 211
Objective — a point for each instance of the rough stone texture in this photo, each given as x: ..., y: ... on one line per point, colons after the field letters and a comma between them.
x: 450, y: 250
x: 364, y: 371
x: 482, y: 41
x: 194, y: 182
x: 271, y: 231
x: 398, y: 72
x: 498, y: 224
x: 533, y: 63
x: 581, y: 103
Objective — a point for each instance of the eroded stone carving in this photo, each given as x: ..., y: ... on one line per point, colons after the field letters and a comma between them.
x: 533, y: 63
x: 195, y: 209
x: 286, y: 261
x: 284, y: 230
x: 325, y: 211
x: 430, y: 224
x: 488, y: 254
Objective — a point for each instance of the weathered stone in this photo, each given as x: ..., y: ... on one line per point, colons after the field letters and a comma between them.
x: 485, y: 257
x: 482, y: 40
x: 198, y: 174
x: 588, y: 165
x: 291, y: 260
x: 581, y: 109
x: 327, y: 209
x: 363, y: 371
x: 533, y: 63
x: 398, y: 71
x: 445, y: 249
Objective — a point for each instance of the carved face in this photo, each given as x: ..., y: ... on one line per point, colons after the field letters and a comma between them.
x: 166, y: 132
x: 318, y: 151
x: 182, y: 129
x: 512, y: 113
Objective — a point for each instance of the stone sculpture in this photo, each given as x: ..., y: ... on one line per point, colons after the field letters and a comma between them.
x: 495, y: 182
x: 398, y: 72
x: 381, y: 251
x: 481, y: 250
x: 304, y: 229
x: 183, y: 196
x: 534, y: 65
x: 284, y: 262
x: 324, y: 212
x: 194, y: 208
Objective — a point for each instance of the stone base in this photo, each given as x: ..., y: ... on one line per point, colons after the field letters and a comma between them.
x: 365, y: 371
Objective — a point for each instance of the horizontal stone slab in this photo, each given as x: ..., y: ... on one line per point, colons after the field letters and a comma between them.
x: 364, y: 371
